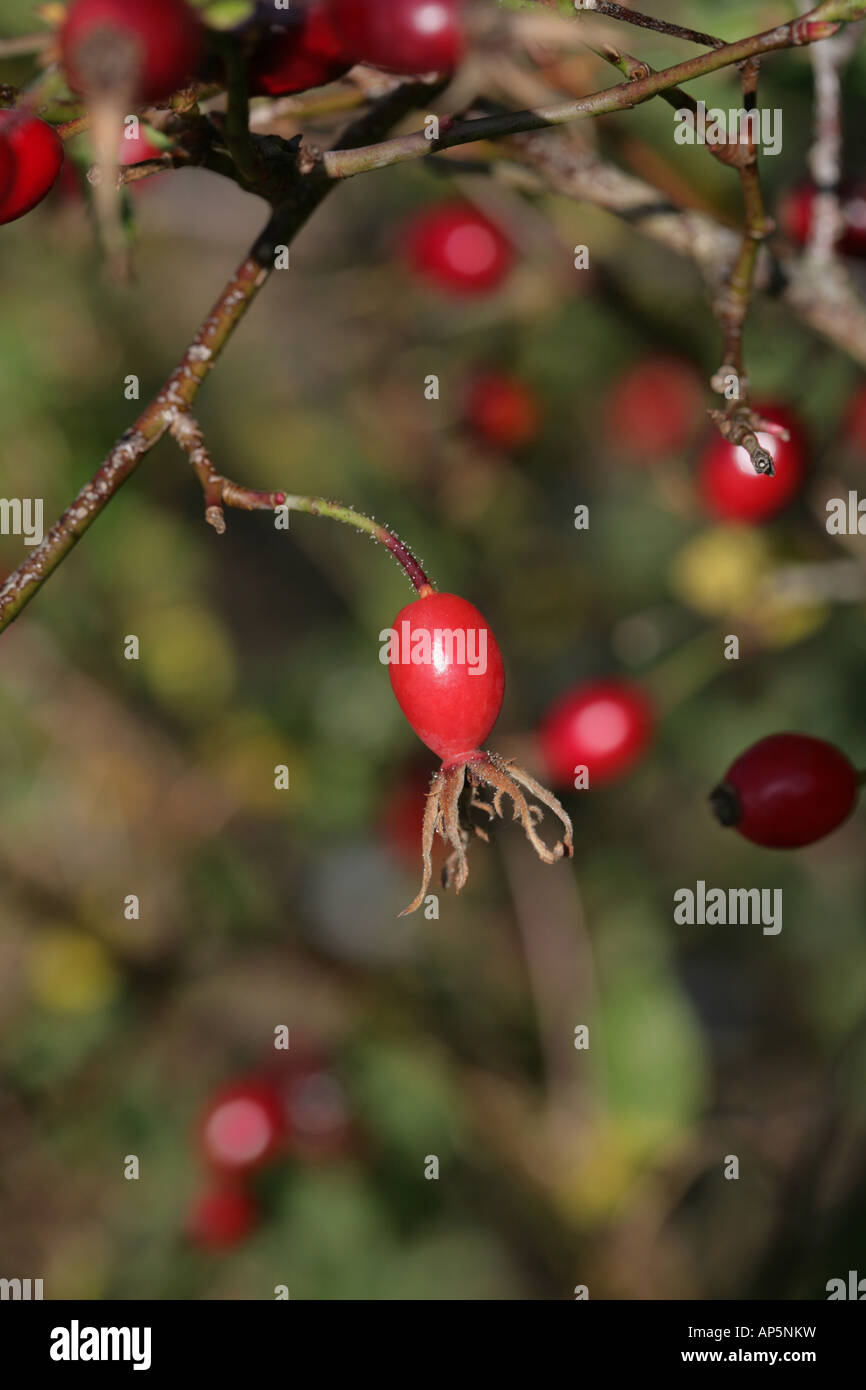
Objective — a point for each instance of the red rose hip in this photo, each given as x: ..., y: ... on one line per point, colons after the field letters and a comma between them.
x: 604, y: 726
x: 797, y: 211
x: 787, y: 790
x: 406, y: 36
x: 448, y: 677
x: 457, y: 248
x: 446, y: 672
x: 222, y: 1217
x: 35, y: 152
x: 7, y: 166
x: 243, y: 1126
x: 654, y: 408
x: 732, y: 490
x: 502, y: 410
x: 307, y: 52
x: 155, y: 44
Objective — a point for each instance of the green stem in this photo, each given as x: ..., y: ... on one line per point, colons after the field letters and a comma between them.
x: 319, y: 506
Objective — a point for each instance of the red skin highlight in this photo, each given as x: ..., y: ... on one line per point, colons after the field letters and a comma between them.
x: 450, y: 709
x: 605, y: 726
x: 405, y: 36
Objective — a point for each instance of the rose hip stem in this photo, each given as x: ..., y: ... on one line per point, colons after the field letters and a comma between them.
x: 319, y: 506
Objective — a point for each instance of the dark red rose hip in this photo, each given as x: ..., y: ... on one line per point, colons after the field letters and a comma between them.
x: 786, y: 791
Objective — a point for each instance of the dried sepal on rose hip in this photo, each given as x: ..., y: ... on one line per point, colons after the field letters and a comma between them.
x: 786, y: 791
x: 447, y: 674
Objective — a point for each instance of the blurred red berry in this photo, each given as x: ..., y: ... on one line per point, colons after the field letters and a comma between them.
x: 448, y: 677
x: 654, y: 408
x: 222, y: 1217
x: 855, y: 418
x: 605, y: 726
x: 796, y: 211
x: 407, y: 36
x: 732, y: 490
x: 162, y: 37
x: 306, y: 51
x: 502, y: 410
x: 402, y: 814
x: 36, y: 154
x: 244, y: 1126
x: 786, y: 791
x: 457, y: 248
x: 7, y: 166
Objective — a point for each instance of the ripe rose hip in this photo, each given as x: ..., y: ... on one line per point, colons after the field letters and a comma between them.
x: 797, y: 211
x: 729, y: 486
x: 36, y: 153
x: 7, y: 166
x: 156, y: 42
x: 457, y: 248
x: 243, y: 1126
x: 786, y: 791
x: 654, y: 408
x: 451, y: 704
x: 604, y: 726
x: 303, y: 53
x: 448, y: 676
x: 407, y: 36
x: 222, y: 1217
x: 502, y: 410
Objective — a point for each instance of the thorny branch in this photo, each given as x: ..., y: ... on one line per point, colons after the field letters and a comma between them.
x: 738, y: 422
x: 295, y: 179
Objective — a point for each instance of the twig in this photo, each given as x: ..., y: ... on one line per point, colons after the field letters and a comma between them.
x: 182, y: 387
x: 646, y: 21
x: 825, y: 157
x: 220, y: 492
x: 25, y: 43
x: 738, y: 423
x: 832, y: 309
x: 342, y: 164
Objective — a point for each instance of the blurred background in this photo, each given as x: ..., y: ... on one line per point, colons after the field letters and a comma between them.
x: 262, y: 908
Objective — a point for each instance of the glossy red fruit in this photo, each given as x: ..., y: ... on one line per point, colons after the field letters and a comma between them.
x: 7, y: 166
x: 406, y: 36
x: 164, y: 38
x: 502, y: 410
x: 654, y: 408
x: 222, y: 1217
x: 305, y: 52
x: 447, y: 673
x: 36, y: 152
x: 604, y: 726
x: 729, y: 486
x: 786, y: 791
x: 457, y: 248
x: 797, y: 210
x: 244, y: 1126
